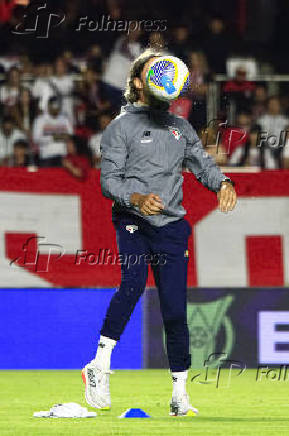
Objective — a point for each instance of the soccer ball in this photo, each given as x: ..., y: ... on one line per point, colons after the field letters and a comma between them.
x: 167, y: 78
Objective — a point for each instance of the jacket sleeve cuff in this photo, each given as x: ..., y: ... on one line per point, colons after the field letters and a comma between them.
x: 225, y: 179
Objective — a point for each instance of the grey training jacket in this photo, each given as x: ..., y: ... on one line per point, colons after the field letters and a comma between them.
x: 144, y: 150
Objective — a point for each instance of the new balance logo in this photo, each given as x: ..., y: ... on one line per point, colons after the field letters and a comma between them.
x: 146, y: 137
x: 91, y: 378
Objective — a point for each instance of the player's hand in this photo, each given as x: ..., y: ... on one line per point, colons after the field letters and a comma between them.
x: 150, y: 204
x: 227, y: 197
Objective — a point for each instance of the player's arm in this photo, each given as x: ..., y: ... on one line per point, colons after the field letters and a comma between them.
x: 113, y: 183
x: 203, y: 166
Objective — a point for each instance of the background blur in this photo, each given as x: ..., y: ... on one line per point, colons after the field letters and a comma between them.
x: 63, y: 69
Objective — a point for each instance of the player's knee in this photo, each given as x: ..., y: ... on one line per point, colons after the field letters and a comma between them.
x: 132, y: 289
x: 133, y: 277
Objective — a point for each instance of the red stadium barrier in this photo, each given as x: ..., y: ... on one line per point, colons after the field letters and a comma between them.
x: 248, y: 247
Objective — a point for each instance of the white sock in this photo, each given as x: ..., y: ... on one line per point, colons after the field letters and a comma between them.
x: 103, y: 354
x: 179, y: 383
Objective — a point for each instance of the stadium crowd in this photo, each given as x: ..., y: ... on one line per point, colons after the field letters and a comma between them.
x: 57, y: 94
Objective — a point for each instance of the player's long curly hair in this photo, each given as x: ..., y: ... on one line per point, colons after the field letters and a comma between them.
x: 131, y: 93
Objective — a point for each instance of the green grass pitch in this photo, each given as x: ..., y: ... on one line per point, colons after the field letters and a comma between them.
x: 246, y: 407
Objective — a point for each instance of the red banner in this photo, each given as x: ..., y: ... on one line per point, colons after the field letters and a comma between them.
x: 57, y: 231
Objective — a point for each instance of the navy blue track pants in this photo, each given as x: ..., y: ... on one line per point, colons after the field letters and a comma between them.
x: 165, y: 249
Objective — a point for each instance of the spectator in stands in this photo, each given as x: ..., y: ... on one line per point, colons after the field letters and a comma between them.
x: 270, y: 126
x: 199, y: 77
x: 237, y: 141
x: 20, y: 155
x: 9, y: 93
x: 71, y: 66
x: 78, y: 157
x: 240, y: 89
x: 182, y: 107
x: 218, y: 152
x: 156, y: 40
x: 6, y: 10
x: 217, y: 45
x: 63, y: 83
x: 285, y: 155
x: 195, y: 98
x: 259, y: 103
x: 50, y: 132
x: 94, y: 142
x: 24, y: 111
x: 240, y: 142
x: 90, y: 99
x: 27, y: 69
x: 199, y: 73
x: 9, y: 135
x: 180, y: 44
x: 126, y: 49
x: 212, y: 144
x: 43, y: 88
x: 261, y: 157
x: 94, y: 58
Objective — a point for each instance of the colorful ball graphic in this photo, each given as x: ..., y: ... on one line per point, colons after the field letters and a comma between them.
x: 167, y: 78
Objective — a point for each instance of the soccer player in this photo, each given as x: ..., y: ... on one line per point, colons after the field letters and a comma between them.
x: 143, y: 152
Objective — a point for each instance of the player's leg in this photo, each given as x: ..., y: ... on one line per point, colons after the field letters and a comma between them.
x: 134, y: 252
x: 171, y: 280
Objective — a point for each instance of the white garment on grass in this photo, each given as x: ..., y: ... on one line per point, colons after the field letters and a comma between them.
x: 7, y: 142
x: 65, y: 410
x: 44, y: 129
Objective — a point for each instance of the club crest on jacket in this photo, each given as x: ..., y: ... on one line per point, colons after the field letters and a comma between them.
x: 175, y: 132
